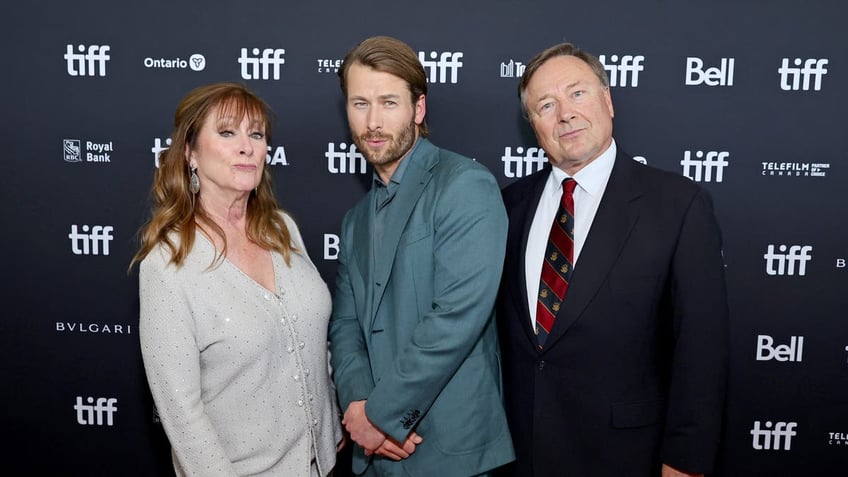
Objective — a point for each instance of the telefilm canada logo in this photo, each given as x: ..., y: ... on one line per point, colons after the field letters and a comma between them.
x: 195, y: 62
x: 838, y: 439
x: 100, y: 152
x: 329, y: 65
x: 795, y: 169
x: 276, y: 155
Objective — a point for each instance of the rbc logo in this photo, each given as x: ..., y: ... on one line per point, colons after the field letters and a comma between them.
x: 437, y: 69
x: 344, y: 160
x: 798, y: 77
x: 533, y: 160
x: 799, y: 254
x: 90, y: 243
x: 85, y: 62
x: 261, y: 67
x: 73, y: 150
x: 777, y: 436
x: 93, y: 413
x: 716, y: 76
x: 704, y: 164
x: 628, y: 68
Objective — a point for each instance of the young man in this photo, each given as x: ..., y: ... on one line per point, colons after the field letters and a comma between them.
x: 413, y: 337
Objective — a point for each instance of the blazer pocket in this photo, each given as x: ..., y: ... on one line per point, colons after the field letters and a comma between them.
x: 415, y: 233
x: 628, y: 415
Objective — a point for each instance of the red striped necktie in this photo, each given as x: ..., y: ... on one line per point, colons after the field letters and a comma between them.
x: 559, y: 260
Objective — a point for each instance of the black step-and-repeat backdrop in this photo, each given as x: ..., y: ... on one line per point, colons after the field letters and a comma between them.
x: 745, y: 98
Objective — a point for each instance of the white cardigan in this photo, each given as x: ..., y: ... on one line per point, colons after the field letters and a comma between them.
x: 239, y: 374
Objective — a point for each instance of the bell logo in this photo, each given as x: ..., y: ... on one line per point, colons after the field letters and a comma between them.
x: 792, y: 352
x: 717, y: 76
x: 785, y: 262
x: 777, y: 436
x: 331, y: 247
x: 97, y: 413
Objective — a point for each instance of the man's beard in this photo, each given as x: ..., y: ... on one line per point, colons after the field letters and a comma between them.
x: 396, y: 148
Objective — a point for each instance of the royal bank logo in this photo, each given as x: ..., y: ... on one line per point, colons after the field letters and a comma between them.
x: 770, y: 435
x: 512, y: 69
x: 795, y: 169
x: 719, y: 75
x: 275, y: 156
x: 93, y: 328
x: 344, y: 160
x: 803, y: 75
x: 93, y: 240
x: 623, y: 71
x: 787, y: 259
x: 96, y: 412
x: 327, y: 65
x: 261, y: 64
x: 195, y: 62
x: 705, y: 166
x: 441, y: 67
x: 87, y: 60
x: 72, y: 150
x: 524, y: 161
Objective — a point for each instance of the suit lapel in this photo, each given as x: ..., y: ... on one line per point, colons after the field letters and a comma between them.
x: 610, y: 229
x: 414, y: 181
x: 523, y: 213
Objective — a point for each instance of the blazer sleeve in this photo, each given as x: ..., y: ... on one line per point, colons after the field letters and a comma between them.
x: 701, y: 332
x: 469, y: 245
x: 348, y: 351
x: 172, y: 363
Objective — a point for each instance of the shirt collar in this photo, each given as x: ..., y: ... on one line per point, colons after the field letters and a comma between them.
x: 593, y: 177
x: 397, y: 176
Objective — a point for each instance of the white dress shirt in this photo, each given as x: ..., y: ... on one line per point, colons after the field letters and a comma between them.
x: 591, y: 183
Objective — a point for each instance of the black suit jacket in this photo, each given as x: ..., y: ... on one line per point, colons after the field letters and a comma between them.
x: 633, y: 373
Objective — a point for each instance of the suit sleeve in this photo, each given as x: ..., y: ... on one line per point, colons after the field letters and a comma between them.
x: 172, y: 363
x: 348, y: 352
x: 469, y: 244
x: 700, y: 355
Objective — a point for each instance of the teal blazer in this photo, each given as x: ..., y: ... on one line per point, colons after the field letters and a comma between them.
x: 434, y: 366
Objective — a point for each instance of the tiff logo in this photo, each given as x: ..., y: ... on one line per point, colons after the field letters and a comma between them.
x: 785, y: 262
x: 704, y: 164
x: 716, y: 76
x: 620, y: 71
x: 513, y: 69
x: 87, y: 63
x: 158, y: 149
x: 90, y: 243
x: 533, y: 160
x: 439, y: 68
x: 778, y: 437
x: 798, y: 77
x: 92, y: 414
x: 344, y: 160
x: 265, y: 66
x: 792, y: 352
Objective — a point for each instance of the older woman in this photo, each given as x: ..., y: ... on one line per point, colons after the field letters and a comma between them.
x: 233, y: 322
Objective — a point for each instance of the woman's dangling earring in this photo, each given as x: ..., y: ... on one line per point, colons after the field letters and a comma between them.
x: 194, y: 181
